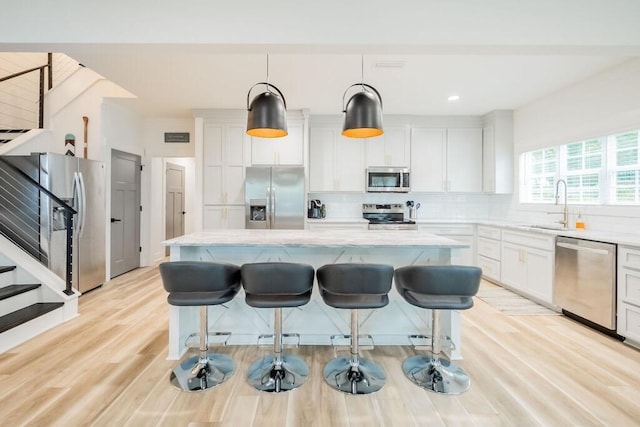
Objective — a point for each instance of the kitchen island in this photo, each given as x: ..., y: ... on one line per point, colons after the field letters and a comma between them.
x: 315, y: 322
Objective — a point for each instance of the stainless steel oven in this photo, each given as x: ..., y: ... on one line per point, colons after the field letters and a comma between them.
x: 387, y: 180
x: 388, y: 216
x: 585, y: 280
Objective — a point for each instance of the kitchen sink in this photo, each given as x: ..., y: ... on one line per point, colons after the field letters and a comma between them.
x: 548, y: 227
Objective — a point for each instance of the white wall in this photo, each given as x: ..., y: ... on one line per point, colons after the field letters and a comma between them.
x: 604, y: 104
x: 158, y: 153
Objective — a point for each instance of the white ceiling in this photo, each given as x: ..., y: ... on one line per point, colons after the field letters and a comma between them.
x: 172, y: 84
x: 175, y: 56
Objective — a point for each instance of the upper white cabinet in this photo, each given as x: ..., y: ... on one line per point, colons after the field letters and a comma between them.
x: 336, y: 163
x: 288, y: 150
x: 225, y: 148
x: 446, y: 159
x: 497, y: 153
x: 392, y: 148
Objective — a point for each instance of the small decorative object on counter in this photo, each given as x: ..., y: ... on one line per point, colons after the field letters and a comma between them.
x: 579, y: 222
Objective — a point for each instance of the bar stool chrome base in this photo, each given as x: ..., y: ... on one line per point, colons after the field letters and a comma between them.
x: 364, y: 378
x: 195, y: 374
x: 436, y: 374
x: 266, y: 375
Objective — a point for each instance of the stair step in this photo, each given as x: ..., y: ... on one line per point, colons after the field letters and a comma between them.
x: 23, y: 315
x: 7, y: 268
x: 13, y: 290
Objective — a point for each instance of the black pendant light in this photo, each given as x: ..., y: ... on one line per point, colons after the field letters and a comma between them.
x: 267, y: 111
x: 363, y: 111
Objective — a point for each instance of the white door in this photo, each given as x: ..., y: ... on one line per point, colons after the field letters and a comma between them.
x: 125, y: 212
x: 174, y: 202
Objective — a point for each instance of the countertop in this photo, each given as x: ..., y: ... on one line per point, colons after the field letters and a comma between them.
x: 630, y: 239
x: 315, y: 238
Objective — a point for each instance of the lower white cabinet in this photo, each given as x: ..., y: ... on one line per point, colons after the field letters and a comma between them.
x: 223, y: 217
x: 629, y: 293
x: 489, y: 253
x: 463, y: 233
x: 527, y: 263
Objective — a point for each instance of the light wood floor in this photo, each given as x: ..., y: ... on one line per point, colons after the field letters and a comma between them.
x: 107, y: 368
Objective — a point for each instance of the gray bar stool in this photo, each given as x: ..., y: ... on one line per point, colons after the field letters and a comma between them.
x: 437, y: 287
x: 355, y: 286
x: 196, y: 283
x: 277, y: 285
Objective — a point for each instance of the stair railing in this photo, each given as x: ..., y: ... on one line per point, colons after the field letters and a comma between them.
x: 49, y: 67
x: 68, y: 218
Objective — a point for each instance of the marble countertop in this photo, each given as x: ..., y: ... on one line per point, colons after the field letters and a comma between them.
x: 316, y: 238
x: 630, y: 239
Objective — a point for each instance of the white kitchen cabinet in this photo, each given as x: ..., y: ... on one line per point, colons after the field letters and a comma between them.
x: 489, y: 251
x: 628, y: 297
x: 392, y: 148
x: 224, y: 217
x: 288, y: 150
x: 527, y: 263
x: 336, y: 163
x: 446, y: 159
x: 497, y: 153
x: 225, y: 149
x: 463, y: 233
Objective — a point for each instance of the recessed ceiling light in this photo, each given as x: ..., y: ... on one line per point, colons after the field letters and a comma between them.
x: 453, y: 98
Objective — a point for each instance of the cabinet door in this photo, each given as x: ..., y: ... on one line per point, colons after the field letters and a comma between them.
x: 428, y: 159
x: 290, y: 149
x: 212, y: 162
x: 287, y: 150
x: 235, y: 217
x: 513, y: 268
x: 464, y: 160
x: 397, y: 146
x: 349, y: 164
x: 488, y: 160
x: 539, y: 281
x: 212, y: 217
x: 321, y: 159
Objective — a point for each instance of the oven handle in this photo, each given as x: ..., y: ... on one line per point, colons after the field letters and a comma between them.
x: 582, y: 248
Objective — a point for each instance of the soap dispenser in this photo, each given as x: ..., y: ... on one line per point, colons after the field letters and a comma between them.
x: 579, y: 222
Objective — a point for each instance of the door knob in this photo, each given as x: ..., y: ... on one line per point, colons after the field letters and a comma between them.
x: 115, y: 220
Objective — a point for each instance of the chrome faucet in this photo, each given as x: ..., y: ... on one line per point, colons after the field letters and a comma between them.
x: 565, y: 210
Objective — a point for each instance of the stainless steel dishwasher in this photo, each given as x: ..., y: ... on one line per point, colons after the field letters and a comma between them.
x: 585, y: 281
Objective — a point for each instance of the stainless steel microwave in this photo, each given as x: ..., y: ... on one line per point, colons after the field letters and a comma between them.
x: 387, y: 180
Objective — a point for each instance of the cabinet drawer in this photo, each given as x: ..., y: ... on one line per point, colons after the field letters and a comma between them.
x: 629, y: 321
x: 489, y: 232
x: 490, y: 268
x: 447, y: 229
x: 629, y: 257
x: 533, y: 240
x: 629, y: 286
x: 489, y: 248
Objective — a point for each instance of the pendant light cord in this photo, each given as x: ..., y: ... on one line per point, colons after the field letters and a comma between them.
x: 362, y: 71
x: 268, y: 73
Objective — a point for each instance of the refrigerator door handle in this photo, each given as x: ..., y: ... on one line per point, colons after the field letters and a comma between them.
x: 268, y: 213
x: 83, y: 204
x: 273, y: 208
x: 76, y: 203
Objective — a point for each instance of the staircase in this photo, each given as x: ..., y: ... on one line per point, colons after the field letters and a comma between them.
x: 27, y: 307
x: 8, y: 135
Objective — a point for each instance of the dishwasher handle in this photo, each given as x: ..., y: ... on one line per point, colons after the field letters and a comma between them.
x: 582, y: 248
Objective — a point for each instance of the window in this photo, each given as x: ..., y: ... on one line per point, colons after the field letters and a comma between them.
x: 597, y: 171
x: 625, y: 168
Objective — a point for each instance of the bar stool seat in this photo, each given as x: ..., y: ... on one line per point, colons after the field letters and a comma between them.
x: 197, y: 283
x: 277, y: 285
x: 355, y: 286
x: 437, y: 287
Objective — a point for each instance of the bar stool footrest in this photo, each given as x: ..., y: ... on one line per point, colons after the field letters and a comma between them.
x: 347, y: 337
x: 193, y: 340
x: 423, y: 342
x: 286, y: 340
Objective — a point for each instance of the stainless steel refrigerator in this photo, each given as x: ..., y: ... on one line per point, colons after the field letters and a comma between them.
x: 81, y: 184
x: 274, y: 197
